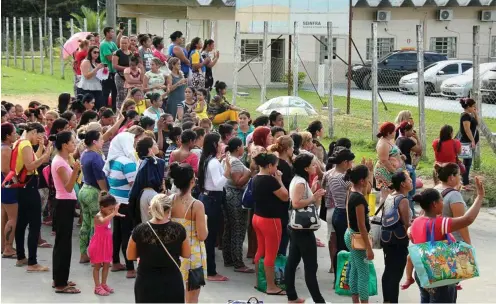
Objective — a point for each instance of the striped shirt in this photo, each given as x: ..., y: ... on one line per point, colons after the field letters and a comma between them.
x: 337, y: 187
x: 122, y: 173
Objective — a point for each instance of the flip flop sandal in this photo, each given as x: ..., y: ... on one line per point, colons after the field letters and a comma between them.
x: 131, y: 276
x: 279, y: 293
x: 45, y: 245
x: 68, y: 290
x: 69, y: 284
x: 40, y: 269
x: 220, y: 279
x: 11, y: 256
x: 100, y: 291
x: 21, y: 263
x: 120, y: 268
x: 244, y: 270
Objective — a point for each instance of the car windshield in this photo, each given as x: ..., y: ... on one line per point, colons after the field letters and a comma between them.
x: 483, y: 69
x: 430, y: 66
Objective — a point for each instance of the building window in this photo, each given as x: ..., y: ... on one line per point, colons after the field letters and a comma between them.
x: 323, y: 48
x: 493, y: 46
x: 384, y: 47
x: 444, y: 45
x: 251, y: 49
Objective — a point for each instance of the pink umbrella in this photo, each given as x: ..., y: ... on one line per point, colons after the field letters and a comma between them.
x: 72, y: 44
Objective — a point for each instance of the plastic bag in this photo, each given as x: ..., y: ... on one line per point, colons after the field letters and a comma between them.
x: 342, y: 286
x: 279, y: 268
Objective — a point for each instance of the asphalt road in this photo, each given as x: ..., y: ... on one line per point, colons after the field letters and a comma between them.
x: 21, y: 287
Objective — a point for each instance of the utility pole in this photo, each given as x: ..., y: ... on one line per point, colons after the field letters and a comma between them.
x: 348, y: 89
x: 111, y: 13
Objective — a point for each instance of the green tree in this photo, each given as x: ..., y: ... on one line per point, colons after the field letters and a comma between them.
x: 92, y: 18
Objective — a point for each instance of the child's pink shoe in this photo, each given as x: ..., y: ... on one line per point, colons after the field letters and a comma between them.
x: 107, y: 288
x: 99, y: 290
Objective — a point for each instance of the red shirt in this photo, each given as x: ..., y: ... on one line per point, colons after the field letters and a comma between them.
x: 447, y: 153
x: 159, y: 55
x: 78, y: 58
x: 441, y: 227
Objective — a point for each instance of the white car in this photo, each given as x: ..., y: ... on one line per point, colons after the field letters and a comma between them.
x: 461, y: 86
x: 434, y: 75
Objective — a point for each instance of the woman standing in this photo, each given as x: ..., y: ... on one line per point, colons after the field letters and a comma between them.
x: 145, y: 51
x: 154, y: 81
x: 9, y: 195
x: 317, y: 130
x: 29, y: 200
x: 303, y: 244
x: 89, y: 83
x: 431, y: 202
x: 94, y: 181
x: 357, y: 212
x: 394, y: 240
x: 226, y: 132
x: 120, y: 62
x: 64, y: 179
x: 284, y: 149
x: 183, y: 155
x: 80, y: 54
x: 212, y: 178
x: 190, y: 213
x: 235, y: 215
x: 469, y: 134
x: 176, y: 85
x: 197, y: 63
x: 269, y: 194
x: 157, y: 268
x: 276, y: 119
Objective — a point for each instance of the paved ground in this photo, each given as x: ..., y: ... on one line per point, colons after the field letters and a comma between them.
x: 21, y: 287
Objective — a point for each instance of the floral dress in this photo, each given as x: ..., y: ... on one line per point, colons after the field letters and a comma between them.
x: 382, y: 174
x: 198, y: 253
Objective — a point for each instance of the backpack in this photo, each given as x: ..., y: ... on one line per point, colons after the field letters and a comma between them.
x: 392, y: 217
x: 248, y: 202
x: 447, y: 191
x: 13, y: 180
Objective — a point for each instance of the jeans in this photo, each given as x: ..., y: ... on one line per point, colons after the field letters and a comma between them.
x: 340, y: 224
x: 395, y: 257
x: 283, y: 245
x: 302, y: 246
x: 443, y: 294
x: 108, y: 87
x: 212, y: 200
x: 413, y: 176
x: 29, y: 214
x: 123, y: 227
x: 62, y: 250
x: 466, y: 176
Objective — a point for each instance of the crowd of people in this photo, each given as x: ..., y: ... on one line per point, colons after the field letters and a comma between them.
x: 158, y: 163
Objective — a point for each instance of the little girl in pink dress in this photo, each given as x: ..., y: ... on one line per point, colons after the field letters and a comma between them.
x: 100, y: 247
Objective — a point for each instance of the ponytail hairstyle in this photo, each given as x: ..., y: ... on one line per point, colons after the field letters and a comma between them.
x: 444, y: 172
x: 225, y: 130
x: 385, y: 129
x: 297, y: 140
x: 60, y: 139
x: 106, y: 199
x: 397, y: 179
x: 136, y: 130
x: 219, y: 86
x: 209, y: 151
x: 175, y: 134
x: 90, y: 137
x: 339, y: 155
x: 356, y: 174
x: 265, y: 159
x: 282, y: 144
x: 427, y: 198
x: 160, y: 204
x: 342, y: 142
x: 234, y: 144
x: 207, y: 43
x: 445, y: 134
x: 129, y: 115
x: 467, y: 102
x: 188, y: 137
x: 302, y: 162
x: 182, y: 174
x: 314, y: 127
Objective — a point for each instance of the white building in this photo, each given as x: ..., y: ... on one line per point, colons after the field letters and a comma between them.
x: 447, y: 24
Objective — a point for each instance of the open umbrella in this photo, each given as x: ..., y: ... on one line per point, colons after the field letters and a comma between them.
x: 72, y: 44
x: 288, y: 105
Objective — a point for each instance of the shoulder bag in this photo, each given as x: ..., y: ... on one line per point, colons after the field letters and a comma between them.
x: 375, y: 228
x: 357, y: 242
x: 306, y: 218
x: 196, y: 276
x: 461, y: 165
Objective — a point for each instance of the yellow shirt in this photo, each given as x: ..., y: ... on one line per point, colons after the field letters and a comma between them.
x: 202, y: 114
x: 141, y: 107
x: 19, y: 161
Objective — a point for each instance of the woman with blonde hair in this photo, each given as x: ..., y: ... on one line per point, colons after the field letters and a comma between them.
x: 120, y: 62
x: 157, y: 268
x: 404, y: 115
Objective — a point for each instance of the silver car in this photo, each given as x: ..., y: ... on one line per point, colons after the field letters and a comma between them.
x: 488, y: 87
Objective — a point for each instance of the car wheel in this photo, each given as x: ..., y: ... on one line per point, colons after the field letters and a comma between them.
x: 366, y: 82
x: 429, y: 89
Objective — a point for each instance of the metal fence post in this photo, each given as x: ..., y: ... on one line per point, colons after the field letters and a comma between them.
x: 164, y: 29
x: 98, y: 25
x: 147, y: 26
x: 476, y: 85
x: 61, y: 41
x: 375, y: 89
x: 237, y: 59
x: 7, y: 40
x: 31, y: 42
x: 15, y: 41
x: 295, y: 59
x: 421, y: 87
x: 129, y: 27
x: 41, y: 44
x: 23, y: 57
x: 263, y: 87
x: 188, y: 32
x: 72, y: 27
x: 50, y: 43
x: 213, y: 27
x: 330, y: 71
x: 85, y: 25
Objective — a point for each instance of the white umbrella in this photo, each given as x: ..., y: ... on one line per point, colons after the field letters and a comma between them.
x: 288, y: 105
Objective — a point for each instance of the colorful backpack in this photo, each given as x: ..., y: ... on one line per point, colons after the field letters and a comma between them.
x: 12, y: 179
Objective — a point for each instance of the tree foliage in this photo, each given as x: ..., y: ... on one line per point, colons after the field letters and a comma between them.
x: 92, y: 18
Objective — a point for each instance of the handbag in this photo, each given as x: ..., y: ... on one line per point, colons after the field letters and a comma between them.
x: 251, y: 300
x: 357, y: 242
x: 460, y: 164
x: 247, y: 201
x: 375, y: 228
x: 466, y: 151
x: 306, y: 218
x: 196, y: 276
x: 441, y: 263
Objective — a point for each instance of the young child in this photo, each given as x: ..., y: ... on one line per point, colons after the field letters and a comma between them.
x: 100, y: 248
x: 19, y: 115
x: 201, y: 106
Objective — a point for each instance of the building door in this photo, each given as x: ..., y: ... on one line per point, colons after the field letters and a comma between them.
x: 276, y: 60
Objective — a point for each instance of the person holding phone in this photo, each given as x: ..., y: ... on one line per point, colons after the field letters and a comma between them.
x: 89, y: 83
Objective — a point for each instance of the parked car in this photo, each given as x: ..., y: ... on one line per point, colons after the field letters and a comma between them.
x: 391, y: 68
x: 434, y: 75
x: 488, y: 87
x: 461, y: 86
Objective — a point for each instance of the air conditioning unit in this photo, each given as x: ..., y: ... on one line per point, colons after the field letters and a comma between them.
x: 487, y: 16
x: 445, y: 15
x: 383, y: 16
